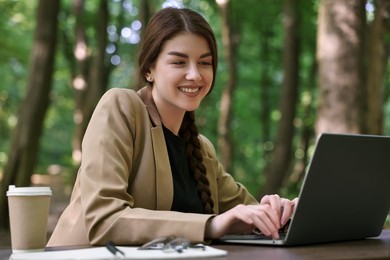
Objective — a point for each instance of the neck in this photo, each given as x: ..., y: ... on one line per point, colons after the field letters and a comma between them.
x: 171, y: 122
x: 171, y: 117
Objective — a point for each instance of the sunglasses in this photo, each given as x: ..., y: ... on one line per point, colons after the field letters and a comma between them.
x: 170, y: 244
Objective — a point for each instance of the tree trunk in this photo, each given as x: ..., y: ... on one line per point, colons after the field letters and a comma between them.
x: 340, y: 45
x: 265, y: 86
x: 144, y: 15
x: 376, y: 59
x: 386, y: 43
x: 80, y: 84
x: 224, y: 139
x: 100, y: 66
x: 277, y: 168
x: 91, y: 76
x: 307, y: 132
x: 25, y: 140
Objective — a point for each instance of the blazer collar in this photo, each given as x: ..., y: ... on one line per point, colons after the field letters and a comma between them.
x: 145, y: 94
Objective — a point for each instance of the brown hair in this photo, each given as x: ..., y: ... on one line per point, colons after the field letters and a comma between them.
x: 163, y: 26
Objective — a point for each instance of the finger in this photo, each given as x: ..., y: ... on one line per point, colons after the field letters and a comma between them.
x: 266, y: 224
x: 286, y: 212
x: 289, y: 209
x: 250, y: 213
x: 262, y: 217
x: 295, y: 202
x: 273, y: 200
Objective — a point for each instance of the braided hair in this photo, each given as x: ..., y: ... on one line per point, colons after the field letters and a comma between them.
x: 190, y: 133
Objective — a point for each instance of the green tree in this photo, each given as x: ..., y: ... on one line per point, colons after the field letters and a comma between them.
x: 278, y: 167
x: 25, y: 139
x: 225, y: 110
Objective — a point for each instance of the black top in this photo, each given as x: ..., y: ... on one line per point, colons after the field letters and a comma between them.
x: 185, y: 195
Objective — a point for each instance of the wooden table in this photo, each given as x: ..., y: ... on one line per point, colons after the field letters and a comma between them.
x: 372, y: 248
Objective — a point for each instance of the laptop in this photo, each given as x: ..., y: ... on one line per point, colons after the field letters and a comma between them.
x: 345, y: 194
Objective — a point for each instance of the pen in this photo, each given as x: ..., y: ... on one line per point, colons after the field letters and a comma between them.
x: 114, y: 250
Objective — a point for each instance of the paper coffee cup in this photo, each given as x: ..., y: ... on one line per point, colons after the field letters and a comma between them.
x: 28, y: 214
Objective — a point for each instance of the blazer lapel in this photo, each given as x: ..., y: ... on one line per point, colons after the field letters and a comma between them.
x: 164, y: 182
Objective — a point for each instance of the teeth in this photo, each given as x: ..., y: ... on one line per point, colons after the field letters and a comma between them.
x: 189, y: 90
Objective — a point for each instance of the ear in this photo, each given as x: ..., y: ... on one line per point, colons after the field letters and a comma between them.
x: 149, y: 77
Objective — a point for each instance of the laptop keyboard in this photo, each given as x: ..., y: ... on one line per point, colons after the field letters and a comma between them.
x: 282, y: 236
x: 257, y: 235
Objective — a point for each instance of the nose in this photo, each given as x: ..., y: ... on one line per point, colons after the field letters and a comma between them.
x: 193, y: 73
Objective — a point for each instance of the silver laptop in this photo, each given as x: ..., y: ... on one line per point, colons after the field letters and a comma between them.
x: 345, y: 194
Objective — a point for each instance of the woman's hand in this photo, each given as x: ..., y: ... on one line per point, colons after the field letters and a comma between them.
x: 268, y: 217
x: 283, y: 207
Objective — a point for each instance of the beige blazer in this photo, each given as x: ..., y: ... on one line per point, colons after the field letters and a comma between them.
x: 124, y: 188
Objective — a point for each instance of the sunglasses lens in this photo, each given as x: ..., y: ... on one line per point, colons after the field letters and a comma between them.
x: 156, y: 244
x: 177, y: 244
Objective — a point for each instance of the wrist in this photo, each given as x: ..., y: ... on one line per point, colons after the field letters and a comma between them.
x: 210, y: 229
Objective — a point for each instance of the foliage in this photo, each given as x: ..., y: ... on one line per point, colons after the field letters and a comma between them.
x: 253, y: 22
x: 17, y: 24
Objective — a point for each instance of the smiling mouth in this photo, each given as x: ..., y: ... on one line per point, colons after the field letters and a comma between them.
x: 189, y: 90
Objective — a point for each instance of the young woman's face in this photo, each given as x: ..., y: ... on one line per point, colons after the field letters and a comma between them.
x: 183, y: 74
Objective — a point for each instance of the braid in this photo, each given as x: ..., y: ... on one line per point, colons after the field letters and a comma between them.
x: 190, y: 133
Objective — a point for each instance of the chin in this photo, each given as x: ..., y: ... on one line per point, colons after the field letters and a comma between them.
x: 190, y: 109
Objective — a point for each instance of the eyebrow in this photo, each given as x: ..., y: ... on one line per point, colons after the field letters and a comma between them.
x: 183, y: 55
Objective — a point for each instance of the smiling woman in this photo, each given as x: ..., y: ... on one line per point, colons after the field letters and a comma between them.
x: 146, y: 171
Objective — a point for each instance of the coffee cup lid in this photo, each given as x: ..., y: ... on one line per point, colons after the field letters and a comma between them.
x: 28, y: 191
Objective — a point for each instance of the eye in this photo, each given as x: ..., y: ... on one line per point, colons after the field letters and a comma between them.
x: 205, y: 63
x: 178, y: 62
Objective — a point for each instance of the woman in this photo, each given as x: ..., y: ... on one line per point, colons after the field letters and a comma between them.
x: 146, y: 172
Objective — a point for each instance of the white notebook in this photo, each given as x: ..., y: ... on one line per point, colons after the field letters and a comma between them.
x: 100, y: 253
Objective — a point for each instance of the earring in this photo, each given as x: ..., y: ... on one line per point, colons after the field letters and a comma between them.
x: 149, y: 78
